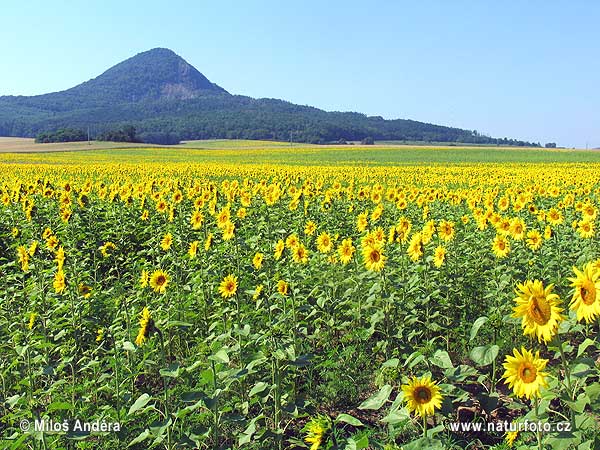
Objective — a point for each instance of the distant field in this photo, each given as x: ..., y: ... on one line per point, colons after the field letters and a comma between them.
x: 256, y: 152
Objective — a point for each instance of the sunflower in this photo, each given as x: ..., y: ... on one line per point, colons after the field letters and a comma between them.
x: 517, y: 229
x: 538, y: 308
x: 144, y: 277
x: 223, y: 217
x: 32, y: 317
x: 257, y: 292
x: 100, y: 335
x: 315, y: 430
x: 159, y: 281
x: 324, y: 243
x: 279, y: 248
x: 422, y: 396
x: 196, y: 220
x: 440, y: 256
x: 292, y: 241
x: 228, y: 286
x: 415, y: 247
x: 208, y: 241
x: 300, y: 254
x: 361, y: 222
x: 446, y: 230
x: 258, y: 260
x: 282, y: 287
x: 33, y: 248
x: 23, y: 256
x: 228, y: 231
x: 60, y: 257
x: 586, y: 229
x: 346, y: 251
x: 534, y: 240
x: 60, y: 282
x: 501, y: 246
x: 524, y: 373
x: 510, y: 438
x: 310, y: 228
x: 84, y: 290
x: 193, y: 249
x: 146, y: 327
x: 586, y: 293
x: 166, y: 242
x: 52, y: 242
x: 373, y: 257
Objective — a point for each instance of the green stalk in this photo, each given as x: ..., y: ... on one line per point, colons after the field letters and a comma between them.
x: 165, y: 388
x: 538, y: 433
x: 425, y: 425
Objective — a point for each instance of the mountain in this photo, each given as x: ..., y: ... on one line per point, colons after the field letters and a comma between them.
x: 159, y: 93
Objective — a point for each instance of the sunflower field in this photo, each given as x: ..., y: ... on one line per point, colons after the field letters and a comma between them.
x: 268, y: 306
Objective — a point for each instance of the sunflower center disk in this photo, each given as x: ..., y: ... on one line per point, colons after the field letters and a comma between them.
x: 422, y: 395
x: 588, y: 292
x: 527, y: 373
x: 540, y: 310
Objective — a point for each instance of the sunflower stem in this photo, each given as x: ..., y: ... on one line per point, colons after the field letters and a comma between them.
x: 538, y: 433
x: 425, y: 425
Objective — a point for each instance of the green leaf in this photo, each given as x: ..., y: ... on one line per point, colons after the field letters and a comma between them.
x: 441, y: 359
x: 139, y: 404
x: 584, y: 345
x: 221, y: 356
x: 258, y: 388
x: 171, y: 372
x: 376, y: 401
x: 396, y: 417
x: 354, y: 443
x: 476, y: 326
x: 141, y: 437
x: 347, y: 418
x: 484, y: 355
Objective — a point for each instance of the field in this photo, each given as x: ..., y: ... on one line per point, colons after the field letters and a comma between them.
x: 238, y: 294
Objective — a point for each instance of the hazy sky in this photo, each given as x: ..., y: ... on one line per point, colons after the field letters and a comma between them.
x: 527, y: 70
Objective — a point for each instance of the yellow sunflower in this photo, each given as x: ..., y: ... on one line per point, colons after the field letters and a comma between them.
x: 258, y: 260
x: 282, y: 287
x: 586, y: 293
x: 193, y: 249
x: 586, y: 229
x: 279, y: 248
x: 440, y: 256
x: 346, y: 251
x: 501, y: 246
x: 373, y: 257
x: 166, y: 242
x: 422, y: 396
x: 60, y: 282
x: 310, y: 228
x: 534, y: 239
x: 511, y: 437
x: 300, y: 254
x: 446, y: 230
x: 315, y: 430
x: 324, y: 243
x: 144, y: 277
x: 159, y: 281
x: 415, y: 247
x: 146, y: 326
x: 228, y: 286
x: 524, y: 373
x: 196, y: 220
x: 538, y: 308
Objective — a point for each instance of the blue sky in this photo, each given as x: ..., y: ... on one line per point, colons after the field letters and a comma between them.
x: 527, y: 70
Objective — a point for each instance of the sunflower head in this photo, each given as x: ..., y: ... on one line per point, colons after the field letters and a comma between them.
x: 228, y: 286
x: 159, y: 281
x: 316, y: 430
x: 422, y: 396
x: 146, y: 326
x: 586, y: 293
x: 524, y: 373
x: 538, y: 308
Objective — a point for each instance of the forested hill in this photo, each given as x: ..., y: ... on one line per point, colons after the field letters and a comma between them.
x: 159, y: 92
